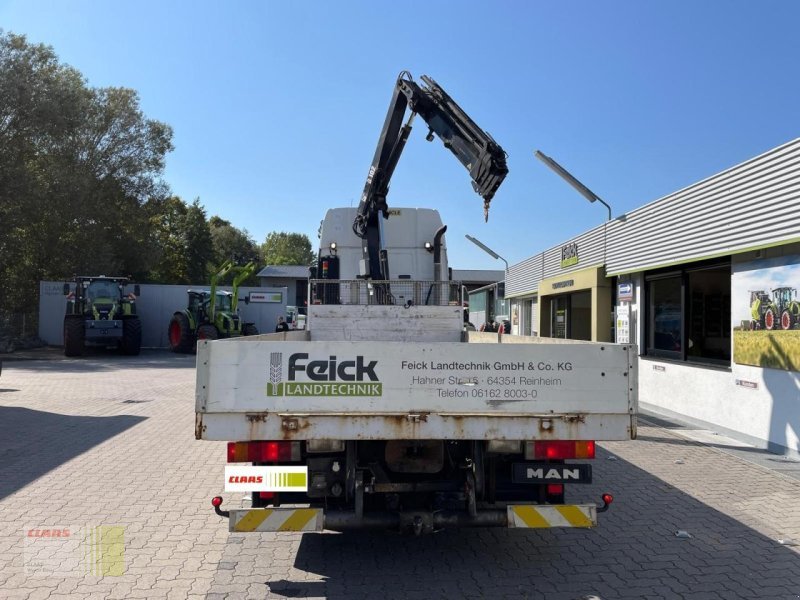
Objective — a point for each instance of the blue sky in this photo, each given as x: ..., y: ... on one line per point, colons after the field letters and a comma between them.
x: 277, y: 107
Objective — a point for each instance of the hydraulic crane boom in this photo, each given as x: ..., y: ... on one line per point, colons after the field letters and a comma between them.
x: 474, y: 148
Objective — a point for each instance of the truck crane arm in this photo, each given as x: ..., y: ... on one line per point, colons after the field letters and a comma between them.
x: 474, y: 148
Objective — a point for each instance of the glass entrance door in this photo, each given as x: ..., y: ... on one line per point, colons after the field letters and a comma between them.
x: 559, y: 316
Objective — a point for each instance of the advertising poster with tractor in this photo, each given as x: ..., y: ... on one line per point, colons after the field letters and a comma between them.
x: 766, y: 313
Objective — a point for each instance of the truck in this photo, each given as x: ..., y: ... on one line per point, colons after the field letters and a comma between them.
x: 386, y: 412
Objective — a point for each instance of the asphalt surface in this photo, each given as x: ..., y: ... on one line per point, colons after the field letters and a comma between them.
x: 108, y: 441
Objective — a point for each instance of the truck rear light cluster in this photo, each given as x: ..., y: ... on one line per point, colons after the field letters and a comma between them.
x: 263, y: 451
x: 559, y: 450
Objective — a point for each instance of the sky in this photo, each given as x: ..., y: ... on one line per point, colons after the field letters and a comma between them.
x: 277, y: 106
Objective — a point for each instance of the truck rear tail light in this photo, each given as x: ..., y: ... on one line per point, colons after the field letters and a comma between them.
x: 266, y: 495
x: 555, y: 489
x: 263, y: 451
x: 559, y: 450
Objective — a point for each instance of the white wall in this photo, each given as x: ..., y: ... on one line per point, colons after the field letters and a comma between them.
x: 767, y: 416
x: 155, y: 307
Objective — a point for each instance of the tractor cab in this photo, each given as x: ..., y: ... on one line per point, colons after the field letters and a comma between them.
x: 784, y: 295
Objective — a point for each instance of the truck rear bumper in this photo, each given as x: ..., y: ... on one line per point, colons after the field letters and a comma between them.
x: 316, y: 519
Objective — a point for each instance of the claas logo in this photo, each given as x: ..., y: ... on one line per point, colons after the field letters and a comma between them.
x: 246, y: 479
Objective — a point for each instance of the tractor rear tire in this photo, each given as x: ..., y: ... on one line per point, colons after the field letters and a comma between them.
x: 74, y: 335
x: 786, y: 320
x: 179, y: 334
x: 770, y: 320
x: 207, y: 332
x: 249, y: 329
x: 131, y: 336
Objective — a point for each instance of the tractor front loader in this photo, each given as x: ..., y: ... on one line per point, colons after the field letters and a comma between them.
x: 211, y: 314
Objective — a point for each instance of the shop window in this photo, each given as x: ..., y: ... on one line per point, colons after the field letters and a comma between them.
x: 689, y: 314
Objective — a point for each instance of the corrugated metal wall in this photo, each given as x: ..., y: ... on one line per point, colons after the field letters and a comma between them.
x: 524, y: 277
x: 752, y: 204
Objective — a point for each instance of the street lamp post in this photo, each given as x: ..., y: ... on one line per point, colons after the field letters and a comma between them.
x: 486, y: 249
x: 567, y: 176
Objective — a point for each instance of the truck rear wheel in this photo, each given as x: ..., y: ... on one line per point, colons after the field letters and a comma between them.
x: 180, y: 334
x: 131, y: 336
x: 73, y: 335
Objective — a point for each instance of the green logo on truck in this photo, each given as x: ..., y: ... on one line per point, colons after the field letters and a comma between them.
x: 331, y: 377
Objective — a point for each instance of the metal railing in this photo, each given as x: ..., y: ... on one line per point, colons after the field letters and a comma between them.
x: 400, y: 292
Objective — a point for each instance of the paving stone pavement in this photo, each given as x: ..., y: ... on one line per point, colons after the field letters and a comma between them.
x: 109, y: 441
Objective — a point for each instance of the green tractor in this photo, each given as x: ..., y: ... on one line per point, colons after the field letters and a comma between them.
x: 787, y: 307
x: 211, y: 314
x: 100, y: 313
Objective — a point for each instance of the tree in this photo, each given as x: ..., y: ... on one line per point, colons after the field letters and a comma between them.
x: 199, y: 247
x: 76, y: 167
x: 182, y: 238
x: 231, y: 243
x: 283, y: 248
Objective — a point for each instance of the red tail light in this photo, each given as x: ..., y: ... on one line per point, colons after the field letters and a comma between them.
x: 266, y: 495
x: 555, y: 489
x: 559, y: 450
x: 263, y: 451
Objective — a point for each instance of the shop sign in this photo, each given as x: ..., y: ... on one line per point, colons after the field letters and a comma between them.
x: 563, y: 284
x: 569, y: 255
x: 625, y: 292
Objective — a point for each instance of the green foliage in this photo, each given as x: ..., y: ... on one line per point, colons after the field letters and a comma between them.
x: 231, y: 243
x: 283, y: 248
x: 76, y: 166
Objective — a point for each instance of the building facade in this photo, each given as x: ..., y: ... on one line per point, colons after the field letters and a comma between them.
x: 705, y: 282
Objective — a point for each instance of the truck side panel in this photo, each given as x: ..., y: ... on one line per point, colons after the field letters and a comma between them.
x: 404, y: 390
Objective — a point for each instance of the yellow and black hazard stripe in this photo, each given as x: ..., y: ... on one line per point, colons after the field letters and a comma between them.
x: 546, y: 516
x: 276, y: 519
